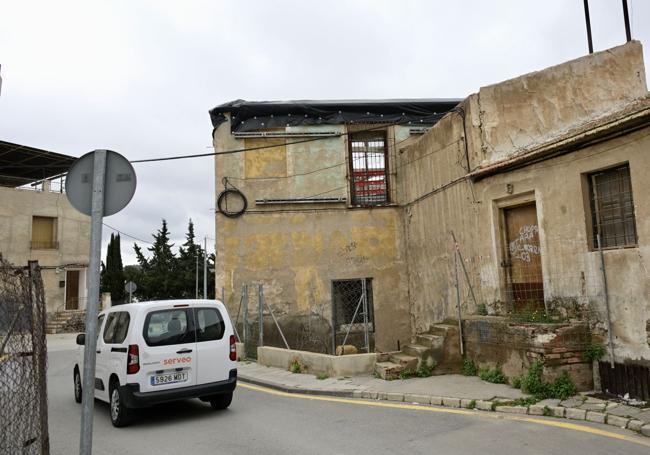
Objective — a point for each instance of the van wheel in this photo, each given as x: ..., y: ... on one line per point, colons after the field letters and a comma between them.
x: 120, y: 414
x: 221, y: 401
x: 77, y: 386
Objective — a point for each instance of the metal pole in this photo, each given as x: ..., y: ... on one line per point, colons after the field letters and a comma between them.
x: 196, y: 284
x: 626, y: 17
x: 333, y: 318
x: 354, y: 316
x: 610, y: 338
x: 205, y: 267
x: 276, y: 322
x: 588, y: 21
x: 245, y: 309
x: 366, y: 338
x: 130, y: 296
x: 260, y: 316
x: 460, y: 321
x: 462, y: 263
x: 92, y: 306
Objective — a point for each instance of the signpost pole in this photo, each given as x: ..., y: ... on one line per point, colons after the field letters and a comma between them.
x: 92, y: 307
x: 205, y: 267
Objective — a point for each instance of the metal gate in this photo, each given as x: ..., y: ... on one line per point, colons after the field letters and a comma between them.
x: 352, y: 314
x: 625, y: 379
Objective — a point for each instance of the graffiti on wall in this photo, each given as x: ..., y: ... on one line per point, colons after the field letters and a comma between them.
x: 526, y: 244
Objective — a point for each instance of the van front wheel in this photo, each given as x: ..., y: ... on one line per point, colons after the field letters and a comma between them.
x: 221, y: 401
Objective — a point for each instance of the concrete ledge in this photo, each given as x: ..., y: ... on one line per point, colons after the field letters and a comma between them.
x: 333, y: 366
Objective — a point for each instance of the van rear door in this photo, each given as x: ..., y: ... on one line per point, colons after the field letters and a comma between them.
x: 212, y: 344
x: 168, y: 359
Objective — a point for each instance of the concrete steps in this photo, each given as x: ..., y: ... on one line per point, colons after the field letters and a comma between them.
x: 439, y: 347
x: 66, y: 321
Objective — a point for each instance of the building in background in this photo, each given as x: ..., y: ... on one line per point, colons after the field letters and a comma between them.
x: 38, y: 223
x: 323, y: 223
x: 538, y: 183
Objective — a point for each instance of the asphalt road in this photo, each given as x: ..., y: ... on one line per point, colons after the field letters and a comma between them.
x: 262, y: 422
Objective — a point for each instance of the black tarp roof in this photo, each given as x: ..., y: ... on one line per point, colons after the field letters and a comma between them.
x: 20, y: 164
x: 254, y: 115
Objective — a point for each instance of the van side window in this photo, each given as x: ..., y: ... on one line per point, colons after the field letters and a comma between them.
x: 167, y: 327
x: 117, y: 326
x: 209, y: 324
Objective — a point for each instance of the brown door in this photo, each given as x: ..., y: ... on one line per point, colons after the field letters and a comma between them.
x: 523, y: 259
x: 72, y: 289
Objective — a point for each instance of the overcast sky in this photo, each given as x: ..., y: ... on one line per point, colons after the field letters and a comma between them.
x: 139, y: 77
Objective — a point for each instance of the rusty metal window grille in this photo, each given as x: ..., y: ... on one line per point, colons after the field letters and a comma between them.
x: 369, y: 168
x: 612, y: 208
x: 346, y: 295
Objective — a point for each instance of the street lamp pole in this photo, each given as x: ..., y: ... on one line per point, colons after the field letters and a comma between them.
x: 205, y: 267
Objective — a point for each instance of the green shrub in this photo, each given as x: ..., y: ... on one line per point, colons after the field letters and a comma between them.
x: 482, y: 310
x: 563, y: 387
x: 425, y: 369
x: 322, y: 376
x: 472, y: 404
x: 493, y: 375
x: 296, y: 366
x: 533, y: 383
x: 407, y: 374
x: 594, y: 351
x: 516, y: 382
x: 469, y: 368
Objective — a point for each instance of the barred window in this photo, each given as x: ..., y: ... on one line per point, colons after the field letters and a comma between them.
x: 612, y: 208
x: 369, y: 173
x: 348, y: 308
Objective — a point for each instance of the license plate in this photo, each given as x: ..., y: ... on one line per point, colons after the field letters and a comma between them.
x: 169, y: 378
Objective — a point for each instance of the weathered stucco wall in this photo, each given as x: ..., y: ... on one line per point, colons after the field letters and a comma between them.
x: 295, y: 251
x: 438, y: 199
x: 532, y: 108
x: 17, y: 207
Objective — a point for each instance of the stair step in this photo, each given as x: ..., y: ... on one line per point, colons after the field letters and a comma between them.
x: 442, y: 329
x: 416, y: 350
x: 388, y: 370
x: 408, y: 362
x: 430, y: 340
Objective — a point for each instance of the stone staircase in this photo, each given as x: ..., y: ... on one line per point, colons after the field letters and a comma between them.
x: 439, y: 346
x: 66, y: 321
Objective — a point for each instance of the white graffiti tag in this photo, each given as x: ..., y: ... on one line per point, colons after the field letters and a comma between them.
x: 521, y: 248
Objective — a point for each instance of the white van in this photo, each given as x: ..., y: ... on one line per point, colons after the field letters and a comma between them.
x: 156, y: 352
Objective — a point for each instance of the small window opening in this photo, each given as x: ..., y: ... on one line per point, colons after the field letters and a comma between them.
x: 369, y: 182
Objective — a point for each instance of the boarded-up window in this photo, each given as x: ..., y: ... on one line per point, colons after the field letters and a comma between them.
x: 368, y: 164
x: 612, y: 208
x: 44, y: 233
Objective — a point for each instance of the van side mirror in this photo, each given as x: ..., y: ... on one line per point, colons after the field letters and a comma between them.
x: 81, y: 339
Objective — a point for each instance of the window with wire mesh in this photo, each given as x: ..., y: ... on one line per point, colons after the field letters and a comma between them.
x: 368, y: 164
x: 612, y: 208
x: 347, y: 300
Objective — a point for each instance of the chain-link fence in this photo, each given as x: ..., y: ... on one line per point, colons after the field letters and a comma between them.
x: 23, y: 389
x: 348, y: 320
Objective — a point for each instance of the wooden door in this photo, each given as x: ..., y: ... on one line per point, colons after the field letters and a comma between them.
x: 72, y: 290
x: 523, y: 258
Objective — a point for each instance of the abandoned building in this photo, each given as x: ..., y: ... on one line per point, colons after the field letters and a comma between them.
x: 37, y: 223
x: 522, y: 209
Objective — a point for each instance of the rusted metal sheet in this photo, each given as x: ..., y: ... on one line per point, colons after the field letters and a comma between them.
x: 523, y: 264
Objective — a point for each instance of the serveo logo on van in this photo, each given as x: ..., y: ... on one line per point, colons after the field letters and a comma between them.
x: 177, y: 360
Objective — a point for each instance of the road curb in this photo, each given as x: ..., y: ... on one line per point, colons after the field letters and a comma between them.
x: 451, y: 402
x: 300, y: 390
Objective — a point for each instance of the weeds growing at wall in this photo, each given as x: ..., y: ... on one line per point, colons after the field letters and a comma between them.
x: 493, y: 375
x: 469, y: 368
x: 594, y: 351
x: 533, y: 383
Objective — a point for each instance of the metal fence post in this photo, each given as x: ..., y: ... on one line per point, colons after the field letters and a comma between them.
x: 260, y: 316
x: 245, y: 311
x: 333, y: 318
x: 610, y: 338
x: 366, y: 338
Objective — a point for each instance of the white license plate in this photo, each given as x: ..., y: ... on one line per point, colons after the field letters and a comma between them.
x: 169, y: 378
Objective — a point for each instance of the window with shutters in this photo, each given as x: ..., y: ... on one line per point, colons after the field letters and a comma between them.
x: 612, y: 208
x: 44, y: 233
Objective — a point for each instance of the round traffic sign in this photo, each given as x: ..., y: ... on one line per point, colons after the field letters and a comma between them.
x: 119, y: 183
x: 130, y: 286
